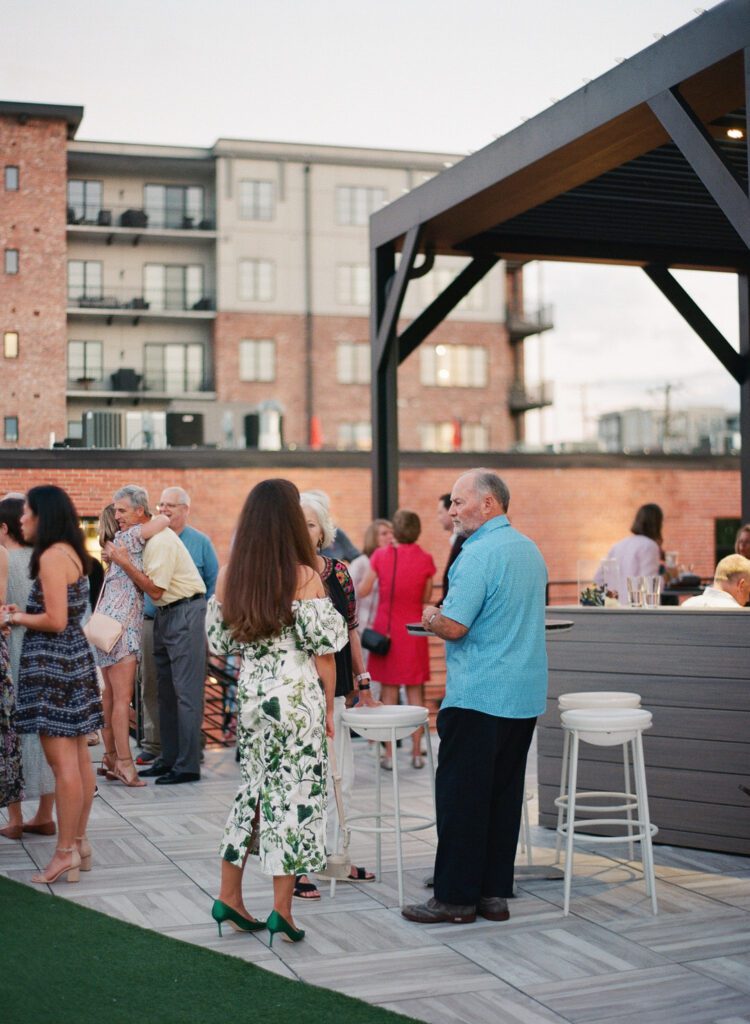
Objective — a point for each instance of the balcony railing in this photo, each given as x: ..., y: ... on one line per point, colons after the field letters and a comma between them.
x: 132, y: 301
x: 126, y: 380
x: 523, y: 322
x: 135, y: 218
x: 525, y: 397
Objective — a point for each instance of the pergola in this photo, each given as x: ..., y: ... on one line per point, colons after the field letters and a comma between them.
x: 645, y: 166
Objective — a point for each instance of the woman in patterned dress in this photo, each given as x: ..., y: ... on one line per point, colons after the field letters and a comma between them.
x: 11, y: 776
x: 123, y: 601
x: 58, y: 692
x: 38, y: 780
x: 271, y: 607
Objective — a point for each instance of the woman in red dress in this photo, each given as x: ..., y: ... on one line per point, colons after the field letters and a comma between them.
x: 404, y: 572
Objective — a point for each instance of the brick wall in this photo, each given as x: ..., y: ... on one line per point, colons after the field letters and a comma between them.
x: 571, y: 512
x: 335, y: 404
x: 32, y: 302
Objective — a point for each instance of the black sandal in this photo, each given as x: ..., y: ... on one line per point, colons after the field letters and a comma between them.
x: 361, y: 875
x: 305, y: 890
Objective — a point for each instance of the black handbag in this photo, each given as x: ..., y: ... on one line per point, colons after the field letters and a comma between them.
x: 371, y: 639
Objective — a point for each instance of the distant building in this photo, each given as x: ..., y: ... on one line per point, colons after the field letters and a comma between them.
x: 705, y: 430
x: 172, y: 296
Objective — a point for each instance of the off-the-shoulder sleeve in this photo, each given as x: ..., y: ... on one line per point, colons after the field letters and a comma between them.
x: 220, y: 640
x: 318, y: 627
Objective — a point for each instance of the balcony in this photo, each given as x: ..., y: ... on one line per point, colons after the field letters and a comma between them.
x: 525, y: 397
x: 132, y: 224
x: 111, y: 382
x: 130, y: 303
x: 522, y: 323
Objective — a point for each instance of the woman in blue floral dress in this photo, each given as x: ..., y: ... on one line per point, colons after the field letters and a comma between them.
x: 58, y: 691
x: 271, y: 607
x: 123, y: 601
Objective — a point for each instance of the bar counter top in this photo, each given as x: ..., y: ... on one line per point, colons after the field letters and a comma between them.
x: 692, y: 670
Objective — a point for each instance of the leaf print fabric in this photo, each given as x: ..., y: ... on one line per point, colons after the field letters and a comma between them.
x: 281, y: 738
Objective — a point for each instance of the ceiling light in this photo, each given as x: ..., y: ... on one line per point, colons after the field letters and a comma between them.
x: 735, y: 133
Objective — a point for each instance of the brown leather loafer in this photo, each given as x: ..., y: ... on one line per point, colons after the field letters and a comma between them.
x: 493, y: 908
x: 435, y: 912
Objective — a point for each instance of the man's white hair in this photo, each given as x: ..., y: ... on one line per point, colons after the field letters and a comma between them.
x: 183, y: 498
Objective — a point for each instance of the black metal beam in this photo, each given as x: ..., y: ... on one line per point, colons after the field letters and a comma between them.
x: 412, y: 337
x: 744, y: 311
x: 384, y: 459
x: 507, y: 245
x: 395, y: 287
x: 701, y: 43
x: 697, y: 319
x: 704, y: 156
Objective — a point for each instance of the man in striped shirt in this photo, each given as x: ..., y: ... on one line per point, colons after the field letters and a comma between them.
x: 493, y: 623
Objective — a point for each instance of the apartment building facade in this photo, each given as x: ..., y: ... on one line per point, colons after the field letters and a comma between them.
x: 159, y: 295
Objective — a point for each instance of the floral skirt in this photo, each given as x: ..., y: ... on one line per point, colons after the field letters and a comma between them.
x: 283, y: 765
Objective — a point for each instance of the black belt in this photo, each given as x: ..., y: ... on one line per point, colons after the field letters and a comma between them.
x: 181, y: 600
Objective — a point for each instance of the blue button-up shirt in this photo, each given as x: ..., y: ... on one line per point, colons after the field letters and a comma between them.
x: 202, y: 552
x: 497, y: 587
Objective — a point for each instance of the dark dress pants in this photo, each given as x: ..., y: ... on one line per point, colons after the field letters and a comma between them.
x: 479, y: 795
x: 180, y: 656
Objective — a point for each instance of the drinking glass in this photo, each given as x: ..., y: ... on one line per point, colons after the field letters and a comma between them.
x: 651, y: 591
x: 635, y: 591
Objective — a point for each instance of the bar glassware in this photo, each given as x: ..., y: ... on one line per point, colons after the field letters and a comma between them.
x: 635, y: 591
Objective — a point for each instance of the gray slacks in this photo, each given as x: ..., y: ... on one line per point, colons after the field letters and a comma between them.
x: 149, y: 692
x: 180, y: 656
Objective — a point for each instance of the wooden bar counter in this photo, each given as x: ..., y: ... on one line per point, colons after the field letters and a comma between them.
x: 692, y: 670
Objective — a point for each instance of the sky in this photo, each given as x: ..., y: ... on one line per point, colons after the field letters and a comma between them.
x: 414, y: 74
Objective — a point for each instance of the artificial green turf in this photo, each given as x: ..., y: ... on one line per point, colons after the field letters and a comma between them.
x: 65, y: 964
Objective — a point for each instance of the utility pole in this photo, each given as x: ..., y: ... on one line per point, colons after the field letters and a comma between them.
x: 666, y: 431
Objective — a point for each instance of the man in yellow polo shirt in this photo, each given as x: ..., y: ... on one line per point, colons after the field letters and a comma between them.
x: 173, y: 583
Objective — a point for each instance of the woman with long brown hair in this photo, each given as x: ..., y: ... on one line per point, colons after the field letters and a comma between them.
x: 58, y: 691
x: 271, y: 607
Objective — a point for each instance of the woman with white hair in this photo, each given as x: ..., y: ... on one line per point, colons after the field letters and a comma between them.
x: 123, y: 601
x: 351, y: 675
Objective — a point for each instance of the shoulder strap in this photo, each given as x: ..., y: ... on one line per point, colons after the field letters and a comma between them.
x: 59, y: 547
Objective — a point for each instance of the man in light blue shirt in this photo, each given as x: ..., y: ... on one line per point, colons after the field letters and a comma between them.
x: 175, y: 504
x: 493, y: 623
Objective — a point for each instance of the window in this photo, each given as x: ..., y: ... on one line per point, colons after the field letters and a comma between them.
x: 257, y: 280
x: 356, y: 435
x: 11, y: 179
x: 85, y: 361
x: 171, y: 286
x: 75, y: 430
x: 173, y: 368
x: 353, y: 362
x: 258, y: 359
x: 10, y: 344
x: 354, y: 204
x: 10, y: 425
x: 11, y: 261
x: 453, y: 436
x: 256, y: 200
x: 84, y: 201
x: 173, y: 206
x: 84, y: 279
x: 453, y: 366
x: 353, y: 284
x: 438, y: 280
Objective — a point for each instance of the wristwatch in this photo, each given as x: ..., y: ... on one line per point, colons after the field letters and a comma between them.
x: 359, y: 681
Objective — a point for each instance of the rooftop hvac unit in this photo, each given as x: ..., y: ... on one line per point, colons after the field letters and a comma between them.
x: 102, y: 429
x: 184, y: 429
x: 145, y: 429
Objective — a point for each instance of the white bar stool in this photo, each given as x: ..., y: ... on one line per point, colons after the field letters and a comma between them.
x: 592, y: 699
x: 607, y: 727
x: 389, y: 724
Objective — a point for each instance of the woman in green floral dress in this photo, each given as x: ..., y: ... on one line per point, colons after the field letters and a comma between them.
x: 271, y: 607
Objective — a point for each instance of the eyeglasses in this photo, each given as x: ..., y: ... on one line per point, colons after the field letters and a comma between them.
x: 168, y: 504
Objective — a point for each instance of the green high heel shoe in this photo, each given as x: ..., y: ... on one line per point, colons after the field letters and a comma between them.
x: 223, y: 914
x: 276, y: 923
